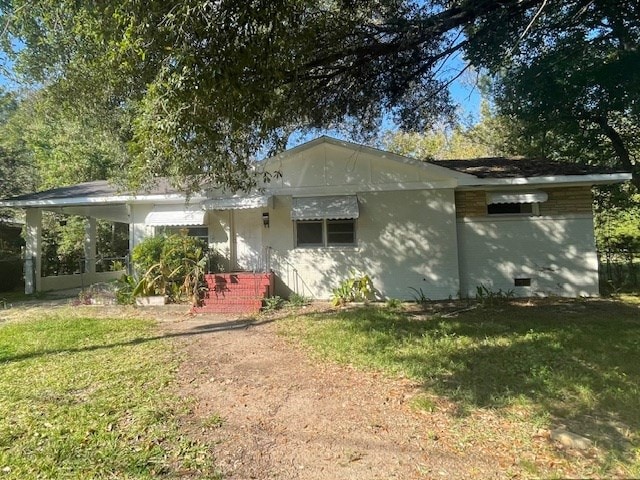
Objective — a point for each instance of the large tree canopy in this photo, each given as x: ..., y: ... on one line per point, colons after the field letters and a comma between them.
x: 204, y: 86
x: 571, y: 77
x: 17, y: 174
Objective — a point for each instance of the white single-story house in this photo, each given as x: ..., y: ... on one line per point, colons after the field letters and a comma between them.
x: 442, y: 227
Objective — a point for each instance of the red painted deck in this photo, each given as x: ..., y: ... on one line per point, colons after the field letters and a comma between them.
x: 240, y: 292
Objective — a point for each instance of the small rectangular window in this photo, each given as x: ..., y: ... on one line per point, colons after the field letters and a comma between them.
x: 323, y: 233
x: 522, y: 282
x: 309, y: 233
x: 510, y: 208
x: 341, y: 232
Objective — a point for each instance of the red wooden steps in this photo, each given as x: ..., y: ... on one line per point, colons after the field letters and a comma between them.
x: 240, y: 292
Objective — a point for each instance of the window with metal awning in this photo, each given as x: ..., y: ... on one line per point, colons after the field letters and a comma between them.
x: 533, y: 196
x: 515, y: 202
x: 325, y: 221
x: 175, y: 215
x: 336, y: 207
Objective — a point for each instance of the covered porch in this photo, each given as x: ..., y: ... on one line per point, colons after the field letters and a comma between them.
x: 231, y: 227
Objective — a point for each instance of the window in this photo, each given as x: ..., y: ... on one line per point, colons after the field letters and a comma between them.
x: 515, y: 202
x: 341, y: 232
x: 320, y: 233
x: 512, y: 208
x: 309, y: 233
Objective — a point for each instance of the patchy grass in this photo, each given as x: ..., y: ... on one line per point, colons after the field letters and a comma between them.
x: 573, y: 363
x: 85, y: 397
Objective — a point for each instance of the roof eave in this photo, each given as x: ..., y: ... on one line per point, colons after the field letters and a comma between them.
x: 100, y: 200
x: 555, y: 180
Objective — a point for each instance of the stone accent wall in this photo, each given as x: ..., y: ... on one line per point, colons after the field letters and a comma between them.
x: 561, y: 201
x: 567, y: 200
x: 471, y: 204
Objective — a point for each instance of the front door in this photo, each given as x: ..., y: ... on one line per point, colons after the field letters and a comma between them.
x: 248, y: 239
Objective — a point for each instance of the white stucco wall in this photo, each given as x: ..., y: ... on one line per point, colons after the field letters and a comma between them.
x: 138, y: 231
x: 404, y: 239
x: 556, y: 252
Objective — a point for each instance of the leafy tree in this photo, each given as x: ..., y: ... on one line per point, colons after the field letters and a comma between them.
x: 61, y: 146
x: 16, y: 172
x: 573, y: 85
x: 486, y: 138
x: 211, y: 84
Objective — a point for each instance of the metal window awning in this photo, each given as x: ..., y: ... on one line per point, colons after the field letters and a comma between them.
x: 235, y: 203
x: 175, y: 215
x: 318, y: 208
x: 534, y: 196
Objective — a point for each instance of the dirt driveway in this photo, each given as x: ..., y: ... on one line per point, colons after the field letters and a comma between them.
x: 285, y: 416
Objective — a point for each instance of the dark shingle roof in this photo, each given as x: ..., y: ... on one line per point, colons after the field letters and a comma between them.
x: 98, y: 188
x: 503, y: 167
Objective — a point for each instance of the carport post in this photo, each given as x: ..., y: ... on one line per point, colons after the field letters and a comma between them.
x: 33, y: 251
x: 90, y: 251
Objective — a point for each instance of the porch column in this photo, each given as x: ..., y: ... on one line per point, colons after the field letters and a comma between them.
x: 33, y: 251
x: 90, y: 250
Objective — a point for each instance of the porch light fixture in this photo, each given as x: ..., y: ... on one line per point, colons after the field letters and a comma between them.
x: 265, y: 219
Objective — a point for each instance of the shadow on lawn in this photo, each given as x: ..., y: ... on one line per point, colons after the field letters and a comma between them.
x: 197, y: 330
x: 577, y: 361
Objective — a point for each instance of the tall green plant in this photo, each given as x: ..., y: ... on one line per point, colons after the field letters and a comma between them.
x: 356, y: 288
x: 171, y: 265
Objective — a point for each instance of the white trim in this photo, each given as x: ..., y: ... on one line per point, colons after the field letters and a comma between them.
x: 520, y: 218
x: 102, y: 200
x: 347, y: 189
x: 555, y: 180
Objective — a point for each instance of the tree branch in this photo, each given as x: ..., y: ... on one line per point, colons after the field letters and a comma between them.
x: 619, y: 147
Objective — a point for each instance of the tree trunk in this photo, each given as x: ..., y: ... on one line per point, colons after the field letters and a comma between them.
x: 619, y: 147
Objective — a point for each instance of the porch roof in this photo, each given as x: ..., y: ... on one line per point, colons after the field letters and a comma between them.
x: 99, y: 192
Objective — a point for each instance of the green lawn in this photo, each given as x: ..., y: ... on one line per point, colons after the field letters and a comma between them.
x: 86, y: 397
x: 573, y: 363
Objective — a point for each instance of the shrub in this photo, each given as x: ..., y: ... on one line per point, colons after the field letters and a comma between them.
x: 353, y: 289
x: 296, y: 300
x: 419, y: 296
x: 147, y: 253
x: 393, y: 304
x: 273, y: 303
x: 487, y: 297
x: 171, y: 265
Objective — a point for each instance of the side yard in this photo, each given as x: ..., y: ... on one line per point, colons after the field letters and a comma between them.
x: 88, y: 396
x: 507, y: 375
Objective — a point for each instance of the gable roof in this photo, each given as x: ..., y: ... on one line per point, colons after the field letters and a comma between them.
x: 376, y: 152
x: 505, y: 167
x: 472, y: 173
